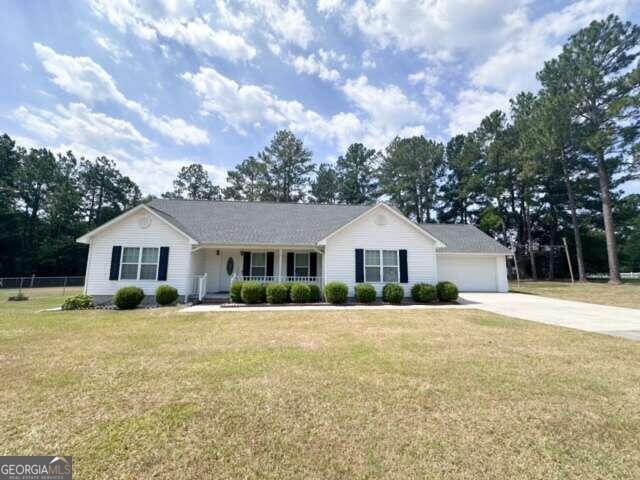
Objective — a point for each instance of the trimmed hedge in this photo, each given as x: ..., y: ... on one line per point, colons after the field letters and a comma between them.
x: 252, y: 292
x: 166, y: 295
x: 277, y: 293
x: 235, y: 292
x: 128, y: 298
x: 424, y: 293
x: 78, y: 302
x: 300, y: 293
x: 447, y: 291
x: 365, y: 293
x: 316, y: 293
x: 393, y: 293
x: 336, y: 292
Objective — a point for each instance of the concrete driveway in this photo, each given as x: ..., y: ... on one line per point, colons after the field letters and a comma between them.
x: 616, y: 321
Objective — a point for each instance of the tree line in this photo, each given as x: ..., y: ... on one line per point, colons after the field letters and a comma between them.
x: 546, y: 169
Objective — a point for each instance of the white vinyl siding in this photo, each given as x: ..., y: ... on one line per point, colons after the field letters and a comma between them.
x: 129, y: 233
x: 395, y: 234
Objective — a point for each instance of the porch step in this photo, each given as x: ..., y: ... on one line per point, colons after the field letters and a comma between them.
x: 215, y: 298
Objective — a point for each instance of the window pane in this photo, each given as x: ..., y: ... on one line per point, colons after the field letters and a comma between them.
x: 130, y: 255
x: 302, y: 259
x: 390, y: 274
x: 129, y: 271
x: 150, y: 255
x: 259, y: 259
x: 372, y: 257
x: 258, y: 271
x: 390, y: 257
x: 302, y: 272
x: 372, y: 274
x: 148, y: 272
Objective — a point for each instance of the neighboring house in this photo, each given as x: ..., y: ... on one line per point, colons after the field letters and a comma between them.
x: 200, y: 247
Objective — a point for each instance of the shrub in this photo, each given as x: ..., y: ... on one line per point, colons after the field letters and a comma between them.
x: 78, y: 302
x: 336, y: 292
x: 288, y: 286
x: 166, y: 295
x: 447, y: 291
x: 393, y: 293
x: 365, y: 293
x: 424, y: 293
x: 300, y: 293
x: 128, y: 298
x: 20, y: 297
x: 252, y: 292
x: 316, y: 294
x: 235, y: 292
x: 277, y: 293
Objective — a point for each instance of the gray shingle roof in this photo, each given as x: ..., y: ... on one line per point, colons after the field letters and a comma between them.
x: 263, y: 223
x: 267, y: 223
x: 463, y: 238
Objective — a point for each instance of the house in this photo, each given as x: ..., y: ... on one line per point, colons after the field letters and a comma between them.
x: 201, y: 247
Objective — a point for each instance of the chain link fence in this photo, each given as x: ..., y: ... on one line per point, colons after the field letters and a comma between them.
x: 41, y: 286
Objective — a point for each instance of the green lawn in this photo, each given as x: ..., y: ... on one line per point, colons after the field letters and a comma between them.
x: 339, y: 394
x: 625, y: 295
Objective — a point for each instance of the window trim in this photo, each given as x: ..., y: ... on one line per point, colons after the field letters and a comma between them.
x: 251, y: 254
x: 381, y: 265
x: 295, y: 264
x: 139, y: 264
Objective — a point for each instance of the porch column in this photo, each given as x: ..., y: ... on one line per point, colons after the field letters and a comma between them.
x: 280, y: 265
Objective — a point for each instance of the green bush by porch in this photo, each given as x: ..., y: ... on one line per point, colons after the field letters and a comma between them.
x: 252, y: 292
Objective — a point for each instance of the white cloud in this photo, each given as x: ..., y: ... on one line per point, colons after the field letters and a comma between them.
x: 79, y: 124
x: 367, y: 60
x: 328, y: 6
x: 387, y: 106
x: 426, y: 77
x: 472, y: 106
x: 25, y: 67
x: 117, y: 53
x: 288, y: 21
x: 177, y: 21
x: 388, y: 110
x: 201, y: 37
x: 82, y: 77
x: 319, y: 64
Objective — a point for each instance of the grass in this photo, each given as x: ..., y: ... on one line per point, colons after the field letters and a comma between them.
x: 600, y: 292
x: 352, y: 394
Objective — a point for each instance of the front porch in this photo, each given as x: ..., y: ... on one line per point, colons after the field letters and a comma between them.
x: 215, y: 268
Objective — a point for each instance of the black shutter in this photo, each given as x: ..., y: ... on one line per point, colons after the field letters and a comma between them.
x: 114, y: 273
x: 291, y: 260
x: 359, y: 265
x: 269, y: 264
x: 163, y: 268
x: 313, y: 264
x: 246, y: 264
x: 404, y: 273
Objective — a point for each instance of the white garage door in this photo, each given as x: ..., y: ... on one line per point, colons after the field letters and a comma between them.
x: 470, y: 273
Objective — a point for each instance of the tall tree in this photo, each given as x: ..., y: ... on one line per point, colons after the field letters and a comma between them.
x: 356, y: 170
x: 324, y: 189
x: 410, y: 173
x: 288, y: 164
x: 597, y: 68
x: 248, y: 181
x: 193, y: 183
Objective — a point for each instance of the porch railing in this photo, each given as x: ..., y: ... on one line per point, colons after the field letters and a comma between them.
x: 202, y: 286
x: 276, y: 279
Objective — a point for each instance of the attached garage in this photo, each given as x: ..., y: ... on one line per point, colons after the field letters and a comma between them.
x: 472, y: 273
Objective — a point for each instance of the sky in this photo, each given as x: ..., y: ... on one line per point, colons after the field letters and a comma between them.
x: 157, y: 85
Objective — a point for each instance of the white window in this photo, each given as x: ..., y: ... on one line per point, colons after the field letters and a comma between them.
x: 258, y: 264
x: 381, y: 266
x: 139, y: 263
x: 390, y: 266
x: 301, y: 265
x: 372, y: 266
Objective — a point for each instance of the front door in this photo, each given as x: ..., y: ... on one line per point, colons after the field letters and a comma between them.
x: 230, y: 266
